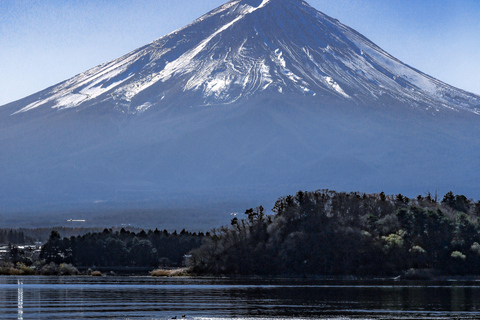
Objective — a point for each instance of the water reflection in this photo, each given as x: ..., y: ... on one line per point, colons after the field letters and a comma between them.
x: 20, y: 299
x: 149, y: 298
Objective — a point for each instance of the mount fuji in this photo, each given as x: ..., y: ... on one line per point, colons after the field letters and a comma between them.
x: 254, y: 100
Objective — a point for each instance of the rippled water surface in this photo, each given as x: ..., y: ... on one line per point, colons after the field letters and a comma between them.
x: 153, y: 298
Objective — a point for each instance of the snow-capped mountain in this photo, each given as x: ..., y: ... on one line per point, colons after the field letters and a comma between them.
x: 253, y: 100
x: 247, y: 47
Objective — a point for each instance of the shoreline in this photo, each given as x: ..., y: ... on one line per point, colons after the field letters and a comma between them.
x: 185, y: 273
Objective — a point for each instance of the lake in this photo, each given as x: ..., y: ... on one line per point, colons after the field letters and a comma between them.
x: 201, y: 298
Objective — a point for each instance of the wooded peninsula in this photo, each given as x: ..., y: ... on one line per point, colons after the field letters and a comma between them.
x: 320, y: 233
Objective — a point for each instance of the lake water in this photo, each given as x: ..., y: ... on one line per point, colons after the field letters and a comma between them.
x: 158, y: 298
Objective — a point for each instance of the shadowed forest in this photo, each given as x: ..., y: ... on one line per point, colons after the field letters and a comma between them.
x: 310, y: 233
x: 121, y: 249
x: 335, y: 233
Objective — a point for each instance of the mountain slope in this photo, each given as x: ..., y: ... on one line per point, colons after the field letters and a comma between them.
x: 251, y: 101
x: 247, y: 47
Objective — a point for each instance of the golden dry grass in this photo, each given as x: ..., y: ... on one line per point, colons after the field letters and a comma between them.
x: 179, y: 272
x: 17, y: 270
x: 10, y: 271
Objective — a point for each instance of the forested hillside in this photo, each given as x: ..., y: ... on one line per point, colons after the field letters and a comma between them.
x: 311, y: 233
x: 335, y: 233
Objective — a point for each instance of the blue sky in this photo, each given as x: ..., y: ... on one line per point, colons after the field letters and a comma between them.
x: 43, y: 42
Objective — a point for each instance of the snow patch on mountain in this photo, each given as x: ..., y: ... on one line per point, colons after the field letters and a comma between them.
x: 86, y: 86
x: 247, y: 47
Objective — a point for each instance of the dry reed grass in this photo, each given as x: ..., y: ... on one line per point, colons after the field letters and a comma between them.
x: 179, y: 272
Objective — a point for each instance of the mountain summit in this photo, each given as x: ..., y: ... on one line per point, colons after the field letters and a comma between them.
x: 248, y: 47
x: 253, y: 100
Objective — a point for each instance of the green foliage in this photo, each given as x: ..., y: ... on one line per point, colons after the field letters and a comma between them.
x: 18, y: 269
x: 457, y: 202
x: 418, y: 250
x: 63, y: 269
x: 394, y: 240
x: 336, y: 233
x: 457, y: 255
x: 475, y: 248
x: 322, y: 232
x: 121, y: 248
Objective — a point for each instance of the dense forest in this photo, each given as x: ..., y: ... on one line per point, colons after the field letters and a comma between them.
x: 311, y: 233
x: 335, y: 233
x: 29, y: 236
x: 121, y: 248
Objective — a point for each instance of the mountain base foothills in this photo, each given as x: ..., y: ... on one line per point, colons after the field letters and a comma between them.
x: 324, y: 233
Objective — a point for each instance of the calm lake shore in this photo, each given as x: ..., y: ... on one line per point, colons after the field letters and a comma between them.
x: 146, y: 297
x: 62, y: 271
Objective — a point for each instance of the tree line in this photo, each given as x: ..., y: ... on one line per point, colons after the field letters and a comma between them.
x: 42, y: 234
x: 121, y: 248
x: 310, y: 233
x: 337, y: 233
